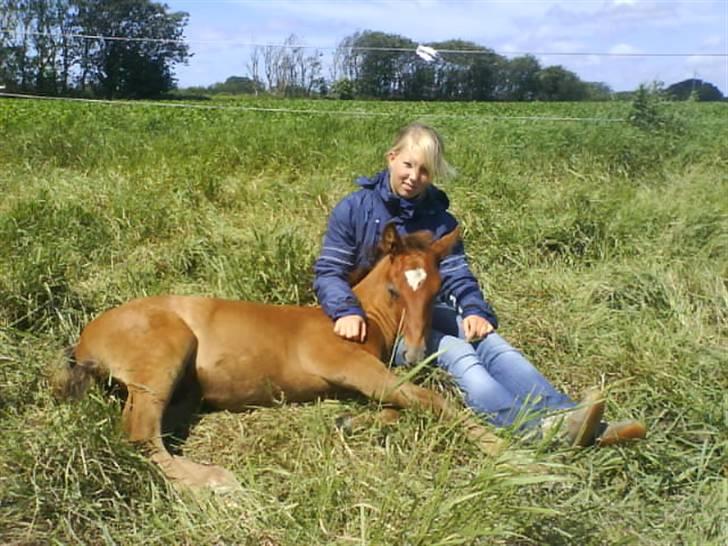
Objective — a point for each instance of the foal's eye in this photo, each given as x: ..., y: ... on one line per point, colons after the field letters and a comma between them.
x: 393, y: 292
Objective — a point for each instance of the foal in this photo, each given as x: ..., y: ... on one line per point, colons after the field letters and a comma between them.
x: 171, y: 352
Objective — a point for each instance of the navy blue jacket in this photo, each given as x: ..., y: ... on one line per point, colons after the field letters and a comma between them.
x: 354, y: 229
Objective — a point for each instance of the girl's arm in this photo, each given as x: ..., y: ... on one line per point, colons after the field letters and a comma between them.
x: 334, y: 264
x: 458, y: 282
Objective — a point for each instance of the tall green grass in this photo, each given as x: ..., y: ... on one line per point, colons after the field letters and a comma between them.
x: 603, y: 246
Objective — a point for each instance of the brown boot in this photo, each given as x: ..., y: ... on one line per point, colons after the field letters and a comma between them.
x: 583, y: 423
x: 621, y: 432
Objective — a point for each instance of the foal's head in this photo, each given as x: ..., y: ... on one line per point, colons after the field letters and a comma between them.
x: 413, y: 281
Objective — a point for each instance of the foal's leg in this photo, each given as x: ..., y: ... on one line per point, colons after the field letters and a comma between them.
x: 155, y: 359
x: 384, y: 417
x: 368, y: 375
x: 181, y: 411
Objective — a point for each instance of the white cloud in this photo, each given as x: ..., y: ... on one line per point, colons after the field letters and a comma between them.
x: 623, y: 49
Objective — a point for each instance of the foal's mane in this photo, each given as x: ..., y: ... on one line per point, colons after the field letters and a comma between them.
x: 412, y: 242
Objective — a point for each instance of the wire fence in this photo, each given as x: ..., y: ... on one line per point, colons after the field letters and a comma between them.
x: 244, y: 43
x: 312, y: 111
x: 329, y: 112
x: 717, y: 120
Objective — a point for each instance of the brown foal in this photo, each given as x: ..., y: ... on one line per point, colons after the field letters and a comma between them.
x: 172, y: 352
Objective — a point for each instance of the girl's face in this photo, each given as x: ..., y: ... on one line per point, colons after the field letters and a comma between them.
x: 407, y: 174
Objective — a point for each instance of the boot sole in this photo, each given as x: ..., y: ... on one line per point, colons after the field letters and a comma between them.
x: 589, y: 425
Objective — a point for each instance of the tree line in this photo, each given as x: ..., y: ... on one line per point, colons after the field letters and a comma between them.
x: 378, y: 65
x: 68, y: 47
x: 45, y: 47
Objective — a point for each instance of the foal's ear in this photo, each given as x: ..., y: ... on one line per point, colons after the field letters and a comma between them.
x: 443, y: 246
x: 391, y: 242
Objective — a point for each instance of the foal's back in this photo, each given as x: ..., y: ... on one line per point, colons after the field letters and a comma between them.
x: 243, y: 353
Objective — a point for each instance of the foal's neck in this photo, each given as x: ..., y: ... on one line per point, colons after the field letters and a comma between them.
x: 383, y: 315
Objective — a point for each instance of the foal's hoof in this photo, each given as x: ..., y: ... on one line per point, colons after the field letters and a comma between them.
x: 347, y: 423
x: 388, y: 416
x: 195, y: 477
x: 221, y: 481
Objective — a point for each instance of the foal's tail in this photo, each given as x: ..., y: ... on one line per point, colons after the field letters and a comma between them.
x: 72, y: 379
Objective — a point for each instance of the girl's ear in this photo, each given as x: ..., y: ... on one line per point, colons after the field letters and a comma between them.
x: 391, y: 242
x: 443, y: 246
x: 391, y: 156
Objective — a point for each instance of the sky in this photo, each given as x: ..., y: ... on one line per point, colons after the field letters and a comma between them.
x: 220, y: 33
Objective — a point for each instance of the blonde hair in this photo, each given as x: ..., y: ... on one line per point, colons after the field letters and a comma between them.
x: 425, y: 140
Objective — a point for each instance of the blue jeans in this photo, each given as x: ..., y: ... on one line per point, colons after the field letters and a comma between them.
x: 497, y: 381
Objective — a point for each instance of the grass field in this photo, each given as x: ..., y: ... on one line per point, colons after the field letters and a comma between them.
x: 603, y: 245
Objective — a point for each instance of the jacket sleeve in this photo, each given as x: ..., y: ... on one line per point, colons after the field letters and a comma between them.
x: 459, y: 284
x: 336, y: 260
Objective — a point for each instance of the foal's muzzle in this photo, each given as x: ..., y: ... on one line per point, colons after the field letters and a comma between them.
x: 413, y: 355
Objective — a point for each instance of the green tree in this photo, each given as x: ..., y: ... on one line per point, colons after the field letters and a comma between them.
x: 17, y: 22
x: 8, y: 44
x: 343, y: 89
x: 560, y: 84
x: 140, y: 65
x: 521, y: 78
x: 381, y: 64
x: 384, y: 66
x: 699, y: 89
x: 468, y: 72
x: 238, y: 85
x: 649, y: 111
x: 288, y: 70
x: 54, y: 52
x: 38, y: 52
x: 419, y: 82
x: 598, y: 91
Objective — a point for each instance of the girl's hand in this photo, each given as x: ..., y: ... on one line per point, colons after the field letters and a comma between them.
x: 351, y: 327
x: 476, y: 327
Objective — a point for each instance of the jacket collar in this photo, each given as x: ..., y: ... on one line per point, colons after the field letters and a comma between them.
x: 431, y: 201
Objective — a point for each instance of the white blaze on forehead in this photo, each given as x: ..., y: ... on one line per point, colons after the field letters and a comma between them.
x: 415, y: 277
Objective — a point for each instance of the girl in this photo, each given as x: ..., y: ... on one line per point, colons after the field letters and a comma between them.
x: 497, y: 381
